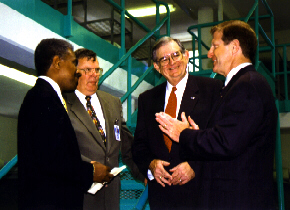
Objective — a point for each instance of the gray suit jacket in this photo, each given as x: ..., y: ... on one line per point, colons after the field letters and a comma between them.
x: 93, y: 149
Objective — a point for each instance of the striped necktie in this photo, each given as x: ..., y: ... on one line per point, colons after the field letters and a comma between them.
x: 64, y: 104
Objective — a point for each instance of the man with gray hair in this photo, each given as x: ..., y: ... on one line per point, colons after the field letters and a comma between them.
x: 172, y: 184
x: 236, y: 148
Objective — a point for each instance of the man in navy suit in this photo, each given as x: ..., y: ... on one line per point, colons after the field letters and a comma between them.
x: 236, y: 149
x: 172, y: 183
x: 51, y: 172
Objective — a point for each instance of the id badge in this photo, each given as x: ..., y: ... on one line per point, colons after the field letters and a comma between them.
x: 117, y: 132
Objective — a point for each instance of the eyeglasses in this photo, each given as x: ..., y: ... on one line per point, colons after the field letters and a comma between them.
x: 90, y: 71
x: 176, y: 56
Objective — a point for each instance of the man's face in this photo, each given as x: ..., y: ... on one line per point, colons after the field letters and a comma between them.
x: 220, y: 54
x: 68, y: 76
x: 174, y: 71
x: 88, y: 84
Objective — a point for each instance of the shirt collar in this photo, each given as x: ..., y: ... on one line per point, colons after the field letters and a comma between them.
x: 54, y: 85
x: 180, y: 86
x: 234, y: 71
x: 82, y: 97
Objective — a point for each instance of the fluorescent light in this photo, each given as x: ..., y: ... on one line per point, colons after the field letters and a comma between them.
x: 18, y: 75
x: 142, y: 12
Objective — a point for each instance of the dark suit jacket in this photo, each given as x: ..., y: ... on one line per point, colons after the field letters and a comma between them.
x: 92, y: 147
x: 51, y: 172
x: 237, y: 147
x: 199, y: 95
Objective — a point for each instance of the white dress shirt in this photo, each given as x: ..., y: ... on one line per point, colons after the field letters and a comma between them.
x: 96, y: 105
x: 234, y: 71
x: 55, y: 86
x: 180, y: 87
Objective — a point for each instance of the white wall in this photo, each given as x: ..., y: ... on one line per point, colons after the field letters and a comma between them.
x: 8, y: 138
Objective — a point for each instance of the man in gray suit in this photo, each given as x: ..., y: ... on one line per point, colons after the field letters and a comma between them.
x: 100, y: 139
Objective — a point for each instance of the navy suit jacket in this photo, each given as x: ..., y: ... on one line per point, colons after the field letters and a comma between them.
x: 236, y: 150
x: 51, y: 172
x: 199, y: 96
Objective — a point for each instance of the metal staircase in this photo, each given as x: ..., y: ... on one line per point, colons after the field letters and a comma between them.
x: 131, y: 191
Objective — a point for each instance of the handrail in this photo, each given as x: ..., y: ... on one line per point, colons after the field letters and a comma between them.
x: 136, y: 84
x: 8, y: 166
x: 142, y: 200
x: 278, y: 161
x: 254, y: 7
x: 284, y: 72
x: 140, y: 42
x: 130, y: 51
x: 201, y: 43
x: 144, y: 27
x: 125, y: 56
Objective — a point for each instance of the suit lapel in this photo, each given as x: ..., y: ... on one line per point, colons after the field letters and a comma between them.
x: 108, y: 118
x: 226, y: 89
x: 159, y: 98
x: 157, y: 102
x: 190, y: 97
x: 77, y: 108
x: 48, y: 89
x: 235, y: 78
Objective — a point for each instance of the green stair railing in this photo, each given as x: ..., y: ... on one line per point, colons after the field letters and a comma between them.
x: 7, y: 167
x: 254, y: 11
x: 127, y: 56
x: 284, y: 104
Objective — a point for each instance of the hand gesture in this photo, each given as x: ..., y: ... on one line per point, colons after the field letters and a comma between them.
x: 173, y: 127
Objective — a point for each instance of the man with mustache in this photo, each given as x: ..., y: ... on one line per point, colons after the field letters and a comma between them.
x: 100, y: 128
x: 51, y: 172
x: 236, y: 149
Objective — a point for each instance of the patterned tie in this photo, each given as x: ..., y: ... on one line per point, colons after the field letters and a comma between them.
x: 93, y: 115
x: 64, y: 104
x: 171, y: 110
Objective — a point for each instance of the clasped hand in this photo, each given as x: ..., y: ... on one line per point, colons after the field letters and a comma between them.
x: 181, y: 174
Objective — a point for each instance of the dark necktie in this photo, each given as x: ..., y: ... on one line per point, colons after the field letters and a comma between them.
x: 93, y: 115
x: 171, y: 110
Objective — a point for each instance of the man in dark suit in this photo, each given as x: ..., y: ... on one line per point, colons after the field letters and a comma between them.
x: 236, y: 149
x: 51, y: 172
x: 172, y: 185
x: 108, y: 110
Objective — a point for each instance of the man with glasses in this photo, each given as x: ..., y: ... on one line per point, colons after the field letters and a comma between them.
x: 172, y: 182
x: 100, y: 129
x: 51, y: 173
x: 236, y: 149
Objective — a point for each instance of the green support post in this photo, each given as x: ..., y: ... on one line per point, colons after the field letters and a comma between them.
x: 278, y: 159
x: 129, y: 99
x: 123, y: 29
x: 68, y: 20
